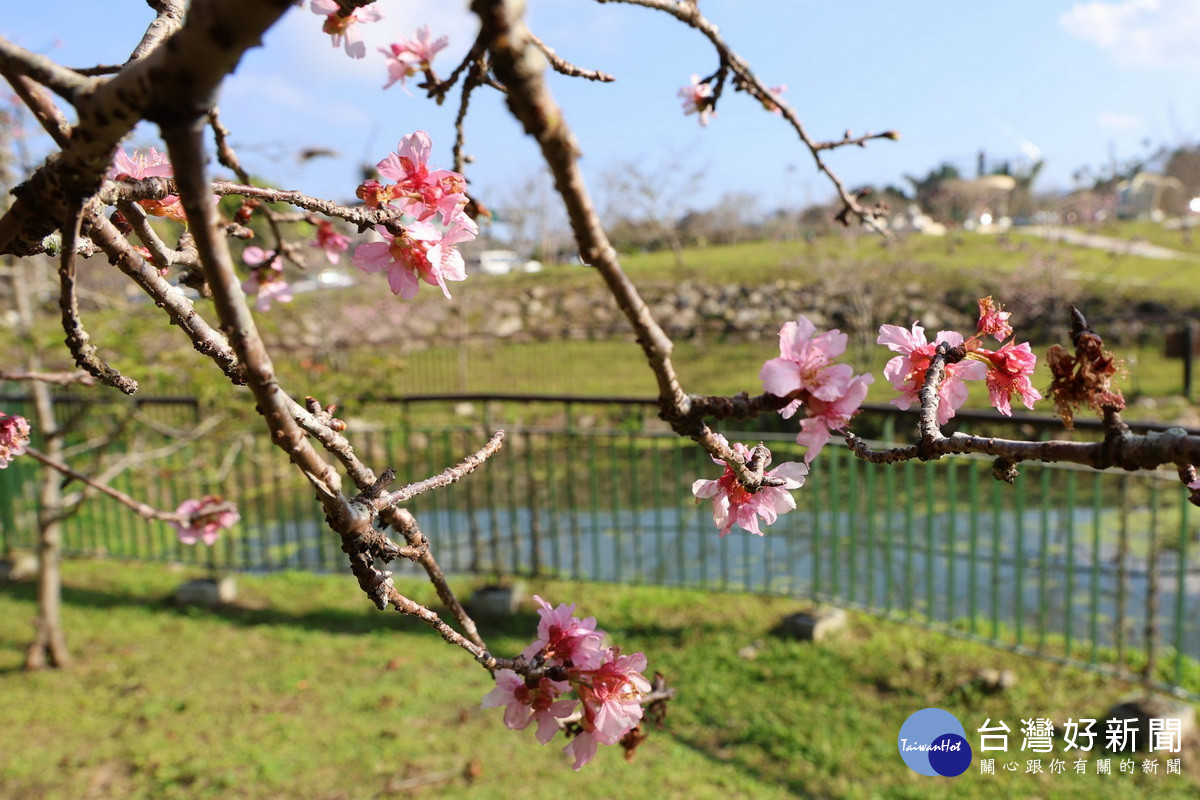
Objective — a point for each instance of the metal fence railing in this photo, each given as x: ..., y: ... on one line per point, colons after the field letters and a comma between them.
x: 1097, y: 569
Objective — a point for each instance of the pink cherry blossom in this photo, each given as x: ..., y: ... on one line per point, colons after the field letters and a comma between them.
x: 266, y: 281
x: 14, y: 436
x: 805, y: 363
x: 407, y: 57
x: 203, y: 519
x: 255, y: 256
x: 733, y: 505
x: 697, y: 99
x: 445, y: 262
x: 405, y: 258
x: 612, y: 702
x: 566, y: 640
x: 332, y: 242
x: 907, y: 371
x: 825, y: 417
x: 342, y: 28
x: 582, y: 748
x: 992, y: 320
x: 151, y: 165
x: 436, y: 191
x: 1008, y: 373
x: 527, y: 701
x: 267, y: 289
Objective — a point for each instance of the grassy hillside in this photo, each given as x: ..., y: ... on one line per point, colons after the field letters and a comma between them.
x: 1014, y: 267
x: 304, y: 690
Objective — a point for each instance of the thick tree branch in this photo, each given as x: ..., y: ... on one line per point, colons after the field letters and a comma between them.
x: 1120, y: 449
x: 167, y: 21
x: 68, y: 84
x: 521, y: 66
x: 174, y: 81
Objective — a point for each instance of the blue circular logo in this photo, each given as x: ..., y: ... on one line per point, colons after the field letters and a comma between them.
x: 933, y: 742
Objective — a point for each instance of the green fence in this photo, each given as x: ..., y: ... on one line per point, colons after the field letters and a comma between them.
x: 1092, y: 568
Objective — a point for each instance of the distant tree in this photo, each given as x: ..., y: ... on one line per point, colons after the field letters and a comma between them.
x: 650, y: 203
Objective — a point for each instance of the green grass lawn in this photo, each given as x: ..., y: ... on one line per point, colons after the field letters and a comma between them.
x: 303, y: 690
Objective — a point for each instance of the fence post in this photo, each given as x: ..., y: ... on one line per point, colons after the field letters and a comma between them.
x: 1189, y: 344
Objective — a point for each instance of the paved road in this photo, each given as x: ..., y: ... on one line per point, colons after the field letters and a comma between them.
x: 1124, y: 246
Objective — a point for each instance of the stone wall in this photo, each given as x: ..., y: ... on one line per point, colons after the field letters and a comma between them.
x: 726, y: 312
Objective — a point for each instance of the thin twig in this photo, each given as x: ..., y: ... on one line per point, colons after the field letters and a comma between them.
x: 228, y: 158
x: 448, y: 476
x: 57, y: 378
x: 163, y: 256
x: 565, y: 67
x: 859, y: 141
x: 141, y: 509
x: 205, y: 339
x: 689, y: 13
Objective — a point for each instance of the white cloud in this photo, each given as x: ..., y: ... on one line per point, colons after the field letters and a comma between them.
x: 1114, y: 121
x: 1157, y: 34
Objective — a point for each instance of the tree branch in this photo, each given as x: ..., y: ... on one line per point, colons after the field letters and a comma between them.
x: 448, y: 476
x: 78, y: 341
x: 689, y: 13
x: 57, y: 378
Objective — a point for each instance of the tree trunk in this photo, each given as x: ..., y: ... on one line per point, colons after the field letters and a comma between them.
x: 49, y: 647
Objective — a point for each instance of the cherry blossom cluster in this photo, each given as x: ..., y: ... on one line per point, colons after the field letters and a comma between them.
x: 570, y: 655
x: 405, y: 58
x: 807, y: 375
x: 14, y: 436
x: 204, y: 519
x: 432, y: 202
x: 1006, y: 370
x: 148, y: 165
x: 734, y: 505
x: 806, y: 372
x: 266, y: 281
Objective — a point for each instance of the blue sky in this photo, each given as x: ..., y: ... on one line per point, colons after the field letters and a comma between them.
x: 1076, y: 81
